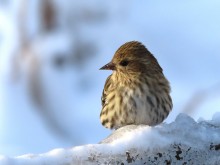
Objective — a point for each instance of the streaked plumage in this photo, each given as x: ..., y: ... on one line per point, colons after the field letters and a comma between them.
x: 137, y: 91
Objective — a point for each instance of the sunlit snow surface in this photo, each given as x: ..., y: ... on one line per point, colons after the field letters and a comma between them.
x: 183, y: 140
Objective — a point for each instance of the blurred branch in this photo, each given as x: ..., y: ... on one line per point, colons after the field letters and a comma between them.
x: 20, y: 54
x: 37, y: 94
x: 48, y: 15
x: 200, y: 97
x: 81, y: 49
x: 25, y: 56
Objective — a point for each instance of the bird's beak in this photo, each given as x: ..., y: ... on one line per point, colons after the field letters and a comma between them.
x: 109, y: 66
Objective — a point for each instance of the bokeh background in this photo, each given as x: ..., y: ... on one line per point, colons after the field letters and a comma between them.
x: 51, y: 52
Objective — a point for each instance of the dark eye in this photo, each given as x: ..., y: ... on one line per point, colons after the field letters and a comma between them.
x: 124, y: 63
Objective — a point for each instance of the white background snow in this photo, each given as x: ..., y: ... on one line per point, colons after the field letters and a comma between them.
x: 183, y: 36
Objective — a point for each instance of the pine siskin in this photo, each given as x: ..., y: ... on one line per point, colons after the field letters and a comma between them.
x: 136, y: 92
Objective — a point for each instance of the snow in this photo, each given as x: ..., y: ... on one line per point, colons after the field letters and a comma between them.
x: 183, y: 140
x: 216, y: 119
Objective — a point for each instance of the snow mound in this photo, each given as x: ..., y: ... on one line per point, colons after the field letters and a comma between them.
x: 183, y: 141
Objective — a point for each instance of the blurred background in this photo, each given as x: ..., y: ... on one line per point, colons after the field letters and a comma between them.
x: 51, y: 52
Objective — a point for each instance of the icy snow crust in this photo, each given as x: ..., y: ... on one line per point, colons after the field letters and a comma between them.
x: 182, y: 142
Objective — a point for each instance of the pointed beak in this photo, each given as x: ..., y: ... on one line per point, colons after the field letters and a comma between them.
x: 109, y: 66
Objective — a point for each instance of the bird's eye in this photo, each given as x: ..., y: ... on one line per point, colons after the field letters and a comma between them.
x: 124, y: 63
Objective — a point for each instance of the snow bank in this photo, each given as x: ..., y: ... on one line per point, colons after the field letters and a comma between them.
x: 182, y: 142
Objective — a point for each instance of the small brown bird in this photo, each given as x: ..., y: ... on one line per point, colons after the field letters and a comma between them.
x: 137, y: 91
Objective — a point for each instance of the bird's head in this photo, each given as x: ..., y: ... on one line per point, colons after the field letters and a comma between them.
x: 133, y: 58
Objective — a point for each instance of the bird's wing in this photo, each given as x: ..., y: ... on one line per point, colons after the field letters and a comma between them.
x: 105, y: 91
